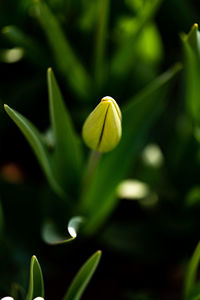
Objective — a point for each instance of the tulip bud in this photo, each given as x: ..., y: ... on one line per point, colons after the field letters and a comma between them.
x: 102, y: 129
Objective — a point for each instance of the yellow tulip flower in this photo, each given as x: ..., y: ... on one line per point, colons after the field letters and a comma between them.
x: 102, y: 129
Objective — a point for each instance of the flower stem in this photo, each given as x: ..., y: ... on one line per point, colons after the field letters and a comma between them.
x: 88, y: 174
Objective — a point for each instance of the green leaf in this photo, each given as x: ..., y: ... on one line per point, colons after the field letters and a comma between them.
x: 37, y: 143
x: 191, y: 44
x: 193, y: 39
x: 83, y: 277
x: 194, y: 293
x: 101, y: 36
x: 67, y: 61
x: 123, y: 58
x: 52, y: 237
x: 67, y: 149
x: 36, y: 285
x: 191, y: 275
x: 137, y: 118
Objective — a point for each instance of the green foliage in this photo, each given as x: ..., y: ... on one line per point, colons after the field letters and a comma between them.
x: 67, y: 156
x: 37, y: 142
x: 77, y: 287
x: 139, y: 113
x: 83, y: 277
x: 36, y: 285
x: 192, y: 57
x: 67, y: 61
x: 191, y: 276
x: 101, y: 39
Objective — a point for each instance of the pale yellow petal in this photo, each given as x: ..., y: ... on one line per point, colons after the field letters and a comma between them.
x: 112, y: 130
x: 93, y: 125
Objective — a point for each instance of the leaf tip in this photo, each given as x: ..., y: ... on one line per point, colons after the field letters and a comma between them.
x: 6, y: 107
x: 34, y: 258
x: 49, y: 70
x: 98, y: 254
x: 50, y: 74
x: 195, y: 25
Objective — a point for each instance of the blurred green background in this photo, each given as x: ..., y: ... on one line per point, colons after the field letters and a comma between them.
x: 98, y: 48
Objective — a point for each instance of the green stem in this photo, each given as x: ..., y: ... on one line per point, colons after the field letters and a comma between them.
x: 88, y: 174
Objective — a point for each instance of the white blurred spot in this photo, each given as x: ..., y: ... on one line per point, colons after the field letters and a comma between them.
x: 38, y: 298
x: 12, y: 55
x: 133, y: 189
x: 153, y: 156
x: 72, y: 232
x: 74, y: 225
x: 106, y: 98
x: 7, y: 298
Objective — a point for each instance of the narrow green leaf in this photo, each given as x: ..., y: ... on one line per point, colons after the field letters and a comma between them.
x: 67, y: 149
x: 83, y: 277
x: 52, y: 237
x: 101, y: 36
x: 194, y: 294
x: 36, y: 285
x: 37, y: 143
x: 122, y: 59
x: 138, y: 117
x: 193, y: 39
x: 67, y: 61
x: 192, y: 271
x: 191, y: 43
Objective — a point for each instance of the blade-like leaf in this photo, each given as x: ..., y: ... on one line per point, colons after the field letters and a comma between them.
x: 67, y: 149
x: 138, y: 116
x: 83, y: 277
x: 191, y: 44
x: 36, y: 142
x: 36, y: 285
x: 52, y: 237
x: 65, y: 57
x: 192, y: 271
x: 101, y: 36
x: 193, y: 39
